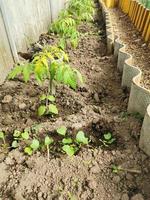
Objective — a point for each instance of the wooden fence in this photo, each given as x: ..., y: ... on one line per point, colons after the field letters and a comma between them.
x: 138, y: 13
x: 21, y: 22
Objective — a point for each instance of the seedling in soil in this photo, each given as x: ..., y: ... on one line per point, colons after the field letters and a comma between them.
x: 117, y: 169
x: 33, y: 147
x: 19, y: 136
x: 62, y: 130
x: 81, y: 139
x: 48, y: 141
x: 2, y: 137
x: 52, y: 64
x: 49, y: 107
x: 108, y: 139
x: 69, y: 150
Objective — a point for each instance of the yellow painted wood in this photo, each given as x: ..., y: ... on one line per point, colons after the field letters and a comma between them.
x: 131, y: 8
x: 147, y: 36
x: 138, y: 15
x: 146, y: 26
x: 135, y: 12
x: 126, y: 6
x: 143, y: 20
x: 141, y: 17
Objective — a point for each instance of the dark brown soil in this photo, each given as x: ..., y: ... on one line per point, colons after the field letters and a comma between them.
x: 98, y: 107
x: 136, y: 46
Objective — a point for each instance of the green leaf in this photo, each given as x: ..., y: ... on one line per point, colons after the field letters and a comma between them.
x: 27, y: 70
x: 107, y: 136
x: 80, y: 138
x: 15, y: 144
x: 70, y: 151
x: 43, y: 97
x: 53, y: 109
x: 15, y: 72
x: 28, y: 151
x: 62, y: 43
x: 51, y: 98
x: 2, y: 135
x: 48, y: 140
x: 41, y: 110
x: 25, y: 135
x: 35, y: 144
x: 62, y: 130
x: 17, y: 133
x: 67, y: 141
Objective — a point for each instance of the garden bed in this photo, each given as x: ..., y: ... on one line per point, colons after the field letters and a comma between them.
x: 97, y: 108
x: 135, y: 45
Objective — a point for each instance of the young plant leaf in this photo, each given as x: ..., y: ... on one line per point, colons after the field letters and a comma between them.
x: 70, y: 151
x: 17, y: 133
x: 81, y: 139
x: 51, y: 98
x: 2, y: 135
x: 107, y: 136
x: 53, y: 109
x: 25, y: 135
x: 28, y: 151
x: 43, y: 97
x: 67, y: 141
x: 48, y: 140
x: 41, y: 110
x: 35, y: 144
x: 15, y: 144
x: 62, y: 130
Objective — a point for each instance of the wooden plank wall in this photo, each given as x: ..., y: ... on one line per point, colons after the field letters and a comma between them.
x: 139, y: 15
x: 22, y: 22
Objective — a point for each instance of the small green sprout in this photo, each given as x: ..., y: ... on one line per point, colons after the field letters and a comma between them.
x: 69, y: 150
x: 81, y: 139
x: 116, y: 169
x: 33, y: 147
x: 2, y: 137
x: 28, y: 150
x: 108, y: 139
x: 62, y: 130
x: 15, y: 144
x: 35, y: 144
x: 25, y: 135
x: 48, y: 141
x: 67, y: 141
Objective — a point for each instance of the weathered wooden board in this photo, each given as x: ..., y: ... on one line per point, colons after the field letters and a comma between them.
x: 6, y: 59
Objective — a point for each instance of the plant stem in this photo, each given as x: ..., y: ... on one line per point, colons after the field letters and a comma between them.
x: 48, y: 152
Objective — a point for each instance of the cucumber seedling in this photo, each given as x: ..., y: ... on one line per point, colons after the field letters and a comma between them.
x: 108, y: 139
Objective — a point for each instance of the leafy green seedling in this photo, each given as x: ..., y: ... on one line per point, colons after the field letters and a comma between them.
x: 69, y: 150
x: 35, y: 144
x: 62, y: 130
x: 116, y: 169
x: 15, y: 144
x: 52, y: 109
x: 67, y: 141
x: 48, y: 141
x: 2, y: 137
x: 33, y: 147
x: 16, y: 134
x: 25, y: 135
x: 41, y: 110
x: 81, y: 139
x: 108, y: 138
x: 28, y: 150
